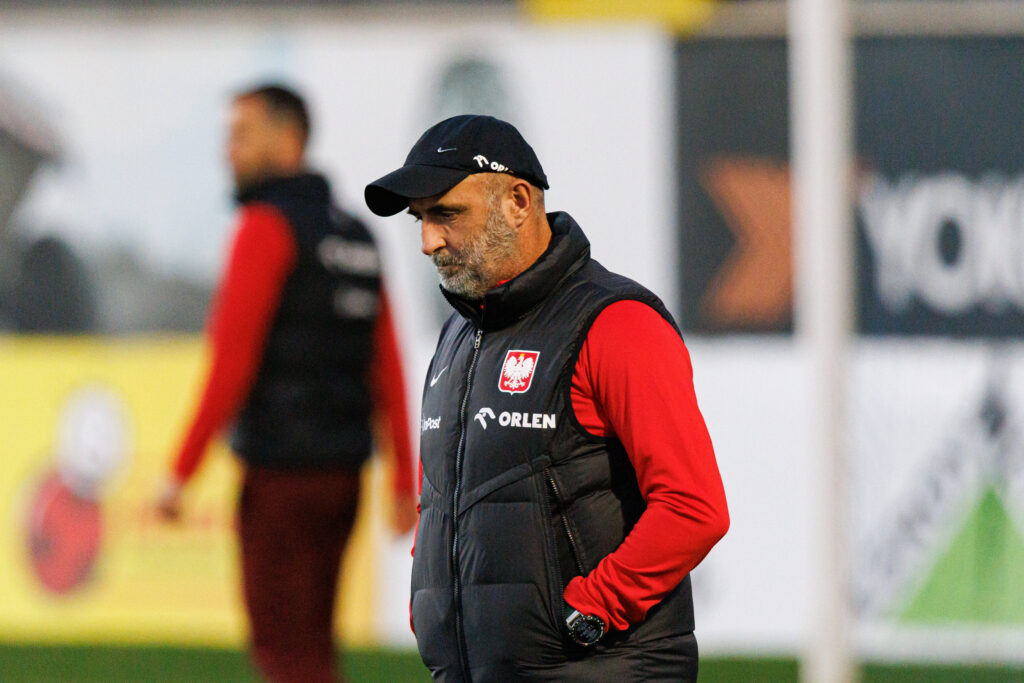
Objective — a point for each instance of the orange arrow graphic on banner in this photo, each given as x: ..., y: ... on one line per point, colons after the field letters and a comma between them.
x: 754, y: 285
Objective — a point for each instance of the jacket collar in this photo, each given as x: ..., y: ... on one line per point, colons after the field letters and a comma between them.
x: 309, y: 186
x: 567, y: 252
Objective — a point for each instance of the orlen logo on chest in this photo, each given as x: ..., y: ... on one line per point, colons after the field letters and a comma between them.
x: 521, y: 420
x: 517, y: 371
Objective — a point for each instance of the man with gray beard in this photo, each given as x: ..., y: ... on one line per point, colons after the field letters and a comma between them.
x: 568, y: 483
x: 468, y: 271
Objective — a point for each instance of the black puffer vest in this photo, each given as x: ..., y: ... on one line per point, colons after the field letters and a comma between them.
x: 310, y: 404
x: 518, y: 498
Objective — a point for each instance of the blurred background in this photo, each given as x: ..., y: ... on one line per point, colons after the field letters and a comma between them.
x: 664, y: 128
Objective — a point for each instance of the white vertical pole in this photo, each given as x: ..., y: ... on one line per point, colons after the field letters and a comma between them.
x: 821, y: 145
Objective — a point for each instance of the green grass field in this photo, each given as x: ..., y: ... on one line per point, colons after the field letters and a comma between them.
x: 92, y: 664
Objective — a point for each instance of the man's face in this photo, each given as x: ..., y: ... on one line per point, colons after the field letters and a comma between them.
x: 252, y: 137
x: 467, y: 235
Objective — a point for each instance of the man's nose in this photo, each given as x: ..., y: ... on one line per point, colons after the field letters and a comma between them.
x: 431, y: 238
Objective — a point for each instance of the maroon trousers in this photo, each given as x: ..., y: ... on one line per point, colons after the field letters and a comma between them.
x: 293, y: 527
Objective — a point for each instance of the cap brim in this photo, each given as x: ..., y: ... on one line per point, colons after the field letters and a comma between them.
x: 388, y: 195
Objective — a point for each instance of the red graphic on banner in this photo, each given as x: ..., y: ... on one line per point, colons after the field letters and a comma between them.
x: 64, y: 536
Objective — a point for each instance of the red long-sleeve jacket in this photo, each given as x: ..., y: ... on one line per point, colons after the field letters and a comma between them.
x: 633, y: 380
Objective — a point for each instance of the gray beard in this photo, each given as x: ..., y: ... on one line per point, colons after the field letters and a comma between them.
x: 473, y: 270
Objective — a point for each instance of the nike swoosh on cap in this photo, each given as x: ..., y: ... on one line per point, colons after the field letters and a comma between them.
x: 449, y: 149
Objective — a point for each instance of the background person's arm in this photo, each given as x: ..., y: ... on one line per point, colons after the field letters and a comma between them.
x: 633, y: 380
x: 388, y: 383
x: 262, y: 256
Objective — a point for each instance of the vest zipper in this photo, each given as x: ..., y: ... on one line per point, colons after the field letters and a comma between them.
x: 456, y: 581
x: 565, y: 520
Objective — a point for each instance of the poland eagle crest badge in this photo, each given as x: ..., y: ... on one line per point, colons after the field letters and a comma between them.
x: 517, y: 371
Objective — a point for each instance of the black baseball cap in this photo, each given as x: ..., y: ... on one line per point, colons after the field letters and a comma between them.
x: 449, y: 152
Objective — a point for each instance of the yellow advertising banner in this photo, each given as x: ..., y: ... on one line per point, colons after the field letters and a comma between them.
x: 681, y: 15
x: 88, y: 426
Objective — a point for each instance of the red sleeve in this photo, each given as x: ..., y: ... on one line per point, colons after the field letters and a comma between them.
x: 262, y: 256
x: 389, y: 395
x: 633, y: 380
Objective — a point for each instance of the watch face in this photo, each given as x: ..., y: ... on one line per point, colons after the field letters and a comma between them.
x: 586, y: 630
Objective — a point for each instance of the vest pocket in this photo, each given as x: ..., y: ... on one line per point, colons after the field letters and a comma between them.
x: 568, y: 553
x: 433, y: 617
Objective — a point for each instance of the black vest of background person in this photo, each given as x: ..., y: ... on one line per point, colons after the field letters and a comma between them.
x: 518, y: 498
x: 310, y: 404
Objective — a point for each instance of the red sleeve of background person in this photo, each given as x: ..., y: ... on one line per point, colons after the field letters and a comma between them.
x: 261, y: 258
x: 633, y: 380
x: 389, y: 396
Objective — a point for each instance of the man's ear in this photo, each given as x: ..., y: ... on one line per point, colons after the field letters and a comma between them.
x: 522, y: 201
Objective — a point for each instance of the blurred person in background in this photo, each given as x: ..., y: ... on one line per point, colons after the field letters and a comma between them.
x: 305, y: 361
x: 568, y: 481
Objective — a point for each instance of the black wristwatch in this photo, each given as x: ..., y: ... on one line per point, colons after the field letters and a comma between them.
x: 584, y: 629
